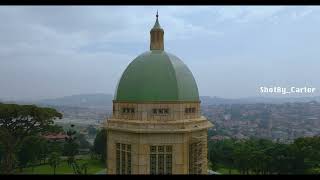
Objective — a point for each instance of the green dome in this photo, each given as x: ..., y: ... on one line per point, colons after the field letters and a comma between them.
x: 156, y: 76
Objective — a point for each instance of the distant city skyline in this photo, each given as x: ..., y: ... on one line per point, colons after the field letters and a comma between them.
x: 232, y: 51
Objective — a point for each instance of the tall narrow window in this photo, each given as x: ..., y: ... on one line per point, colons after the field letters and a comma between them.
x: 123, y: 158
x: 160, y: 159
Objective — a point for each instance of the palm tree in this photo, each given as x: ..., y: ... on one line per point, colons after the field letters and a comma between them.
x: 54, y: 161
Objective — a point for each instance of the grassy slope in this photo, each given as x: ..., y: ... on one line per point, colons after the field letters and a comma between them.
x: 94, y: 166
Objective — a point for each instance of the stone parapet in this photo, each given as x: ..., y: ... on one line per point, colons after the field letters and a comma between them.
x: 158, y: 126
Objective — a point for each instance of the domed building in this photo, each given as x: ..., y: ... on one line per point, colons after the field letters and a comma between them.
x: 156, y: 126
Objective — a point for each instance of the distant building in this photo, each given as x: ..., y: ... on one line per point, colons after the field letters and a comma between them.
x: 156, y: 126
x: 240, y: 136
x: 227, y: 116
x: 55, y: 137
x: 219, y: 138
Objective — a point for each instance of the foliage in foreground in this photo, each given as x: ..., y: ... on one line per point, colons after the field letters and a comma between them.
x: 17, y: 122
x: 261, y: 156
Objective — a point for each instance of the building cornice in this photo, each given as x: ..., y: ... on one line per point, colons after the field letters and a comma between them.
x: 179, y: 126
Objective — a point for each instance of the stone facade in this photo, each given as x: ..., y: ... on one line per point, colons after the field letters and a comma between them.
x: 179, y: 128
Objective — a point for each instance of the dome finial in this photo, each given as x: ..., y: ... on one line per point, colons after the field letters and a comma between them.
x: 156, y: 36
x: 157, y: 24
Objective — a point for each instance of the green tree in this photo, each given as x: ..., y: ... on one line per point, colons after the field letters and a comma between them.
x: 241, y: 156
x: 1, y: 155
x: 18, y: 122
x: 227, y: 156
x: 55, y: 129
x: 29, y: 151
x: 100, y: 144
x: 92, y: 131
x: 71, y: 147
x: 213, y: 154
x: 83, y: 143
x: 221, y: 152
x: 55, y: 146
x: 54, y: 161
x: 257, y: 158
x: 43, y: 150
x: 261, y: 156
x: 84, y: 168
x: 306, y: 154
x: 282, y: 158
x: 33, y: 149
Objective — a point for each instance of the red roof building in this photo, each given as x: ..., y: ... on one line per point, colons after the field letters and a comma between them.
x: 55, y: 137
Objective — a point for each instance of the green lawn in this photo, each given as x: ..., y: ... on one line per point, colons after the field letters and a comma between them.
x: 94, y: 166
x: 223, y: 170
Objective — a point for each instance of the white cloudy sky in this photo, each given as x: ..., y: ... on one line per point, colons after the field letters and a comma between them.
x: 233, y: 50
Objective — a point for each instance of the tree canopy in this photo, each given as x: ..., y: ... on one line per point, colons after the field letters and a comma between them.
x: 261, y: 156
x: 100, y: 144
x: 18, y: 122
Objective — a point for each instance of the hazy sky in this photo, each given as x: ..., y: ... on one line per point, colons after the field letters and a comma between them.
x: 233, y: 50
